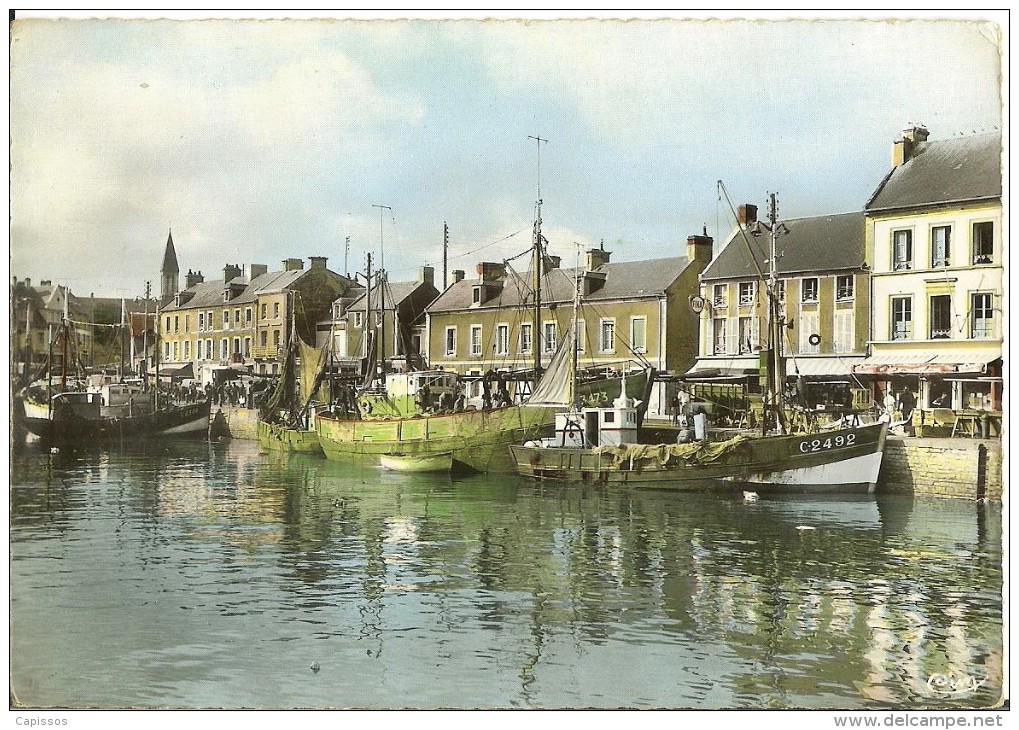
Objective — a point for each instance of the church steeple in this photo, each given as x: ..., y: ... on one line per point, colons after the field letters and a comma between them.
x: 170, y: 273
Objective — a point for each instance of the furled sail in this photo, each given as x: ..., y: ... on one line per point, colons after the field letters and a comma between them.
x: 557, y: 386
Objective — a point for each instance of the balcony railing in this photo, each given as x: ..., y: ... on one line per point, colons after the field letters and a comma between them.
x: 266, y: 352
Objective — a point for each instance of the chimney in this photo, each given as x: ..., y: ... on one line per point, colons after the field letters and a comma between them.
x: 256, y: 270
x: 231, y: 271
x: 904, y: 149
x: 194, y: 277
x: 699, y: 248
x: 458, y: 275
x: 746, y: 215
x: 318, y: 262
x: 596, y: 257
x: 490, y: 271
x: 428, y: 275
x: 293, y: 264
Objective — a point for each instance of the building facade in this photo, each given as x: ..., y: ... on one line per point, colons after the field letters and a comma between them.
x: 934, y: 225
x: 244, y: 321
x: 385, y: 324
x: 631, y: 314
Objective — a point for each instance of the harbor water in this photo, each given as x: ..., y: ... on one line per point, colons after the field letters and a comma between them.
x: 196, y: 575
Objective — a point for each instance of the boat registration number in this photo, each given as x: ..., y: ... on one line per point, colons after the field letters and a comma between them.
x: 831, y: 442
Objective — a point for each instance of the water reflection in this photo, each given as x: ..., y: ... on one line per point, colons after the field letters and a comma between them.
x: 423, y: 591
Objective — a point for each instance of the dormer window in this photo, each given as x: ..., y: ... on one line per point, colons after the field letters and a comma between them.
x: 477, y: 295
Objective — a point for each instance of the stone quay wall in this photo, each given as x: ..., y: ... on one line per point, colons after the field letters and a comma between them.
x: 241, y: 422
x: 942, y: 467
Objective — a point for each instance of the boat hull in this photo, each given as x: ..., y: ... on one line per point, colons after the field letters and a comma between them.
x: 191, y: 419
x: 478, y: 440
x: 418, y: 464
x: 843, y: 461
x: 274, y: 437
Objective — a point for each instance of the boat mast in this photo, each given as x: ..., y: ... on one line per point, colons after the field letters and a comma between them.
x: 382, y: 290
x: 775, y: 376
x: 538, y: 260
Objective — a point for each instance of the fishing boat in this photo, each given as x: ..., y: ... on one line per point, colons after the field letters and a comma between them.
x: 603, y: 444
x: 441, y: 462
x: 65, y: 407
x: 286, y: 420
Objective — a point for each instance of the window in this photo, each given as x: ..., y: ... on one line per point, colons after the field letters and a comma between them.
x: 746, y: 344
x: 581, y: 335
x: 224, y: 349
x: 237, y: 346
x: 502, y: 339
x: 226, y: 319
x: 276, y: 310
x: 247, y: 347
x: 450, y: 341
x: 176, y: 323
x: 808, y: 292
x: 187, y: 322
x: 844, y: 288
x: 237, y: 316
x: 719, y: 297
x: 981, y: 317
x: 548, y: 338
x: 167, y: 327
x: 526, y: 339
x: 941, y: 317
x: 209, y: 354
x: 845, y: 340
x: 187, y: 349
x: 902, y: 318
x: 166, y: 351
x: 476, y: 295
x: 201, y: 321
x: 475, y: 339
x: 263, y: 338
x: 265, y: 310
x: 808, y: 327
x: 983, y: 243
x: 746, y: 293
x: 209, y: 323
x: 941, y: 240
x: 247, y: 316
x: 607, y: 342
x: 359, y: 319
x: 638, y: 334
x: 902, y: 250
x: 718, y: 336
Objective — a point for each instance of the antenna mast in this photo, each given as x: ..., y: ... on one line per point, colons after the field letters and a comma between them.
x: 382, y: 290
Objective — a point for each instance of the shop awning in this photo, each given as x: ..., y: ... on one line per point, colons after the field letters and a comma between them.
x: 180, y: 370
x: 723, y: 368
x: 821, y: 366
x: 928, y: 363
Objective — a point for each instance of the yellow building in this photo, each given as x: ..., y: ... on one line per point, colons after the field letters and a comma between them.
x: 243, y: 321
x: 823, y: 289
x: 633, y: 313
x: 934, y: 225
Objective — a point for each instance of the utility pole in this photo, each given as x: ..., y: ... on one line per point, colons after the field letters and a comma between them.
x: 382, y: 250
x: 445, y: 255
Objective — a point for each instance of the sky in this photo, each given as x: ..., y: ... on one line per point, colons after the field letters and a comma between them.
x: 260, y: 140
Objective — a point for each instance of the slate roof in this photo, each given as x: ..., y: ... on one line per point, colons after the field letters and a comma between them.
x: 170, y: 257
x: 623, y: 280
x: 210, y: 293
x: 944, y: 171
x: 820, y: 243
x: 396, y: 292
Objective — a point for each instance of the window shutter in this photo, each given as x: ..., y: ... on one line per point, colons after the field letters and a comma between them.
x: 732, y: 335
x: 755, y: 333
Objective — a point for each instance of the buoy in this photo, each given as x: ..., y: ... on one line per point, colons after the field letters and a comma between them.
x: 749, y: 496
x: 315, y: 667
